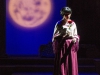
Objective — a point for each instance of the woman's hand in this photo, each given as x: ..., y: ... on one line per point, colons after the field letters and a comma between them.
x: 64, y: 35
x: 57, y: 35
x: 74, y: 40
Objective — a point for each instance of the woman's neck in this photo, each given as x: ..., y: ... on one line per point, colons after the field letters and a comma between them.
x: 66, y: 20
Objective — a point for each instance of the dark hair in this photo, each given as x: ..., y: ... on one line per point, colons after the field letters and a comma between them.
x: 65, y: 11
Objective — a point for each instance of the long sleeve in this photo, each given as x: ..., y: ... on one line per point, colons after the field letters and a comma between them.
x: 76, y: 33
x: 55, y: 31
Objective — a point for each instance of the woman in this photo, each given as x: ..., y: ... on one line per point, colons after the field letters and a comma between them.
x: 65, y: 45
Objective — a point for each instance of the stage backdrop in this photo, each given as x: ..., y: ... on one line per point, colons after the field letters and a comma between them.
x: 29, y: 24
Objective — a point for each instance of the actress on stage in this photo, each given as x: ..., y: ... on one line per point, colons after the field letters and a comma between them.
x: 65, y: 45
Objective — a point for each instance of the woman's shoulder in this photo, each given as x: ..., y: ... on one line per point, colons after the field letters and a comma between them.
x: 72, y: 22
x: 59, y: 22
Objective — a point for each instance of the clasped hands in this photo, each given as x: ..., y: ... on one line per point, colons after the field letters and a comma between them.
x: 73, y: 38
x: 67, y: 35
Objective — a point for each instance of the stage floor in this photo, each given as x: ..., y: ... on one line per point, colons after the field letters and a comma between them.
x: 50, y: 73
x: 39, y: 66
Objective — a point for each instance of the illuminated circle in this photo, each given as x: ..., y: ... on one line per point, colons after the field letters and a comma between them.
x: 29, y: 13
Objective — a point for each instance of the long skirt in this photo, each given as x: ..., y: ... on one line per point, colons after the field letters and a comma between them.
x: 65, y: 57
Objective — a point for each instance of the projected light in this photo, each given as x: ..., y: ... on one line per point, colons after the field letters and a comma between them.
x: 29, y: 13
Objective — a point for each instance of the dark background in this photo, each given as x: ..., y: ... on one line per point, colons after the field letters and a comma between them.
x: 86, y: 14
x: 2, y: 28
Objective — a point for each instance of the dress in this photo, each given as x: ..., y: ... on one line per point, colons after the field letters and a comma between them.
x: 65, y: 50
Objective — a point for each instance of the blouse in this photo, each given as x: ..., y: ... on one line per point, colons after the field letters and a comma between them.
x: 69, y: 28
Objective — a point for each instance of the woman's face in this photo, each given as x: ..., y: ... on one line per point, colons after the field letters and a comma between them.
x: 66, y: 17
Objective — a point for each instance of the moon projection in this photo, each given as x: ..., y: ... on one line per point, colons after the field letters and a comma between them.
x: 29, y: 13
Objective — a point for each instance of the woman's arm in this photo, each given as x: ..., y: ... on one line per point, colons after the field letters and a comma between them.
x: 75, y: 34
x: 55, y: 32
